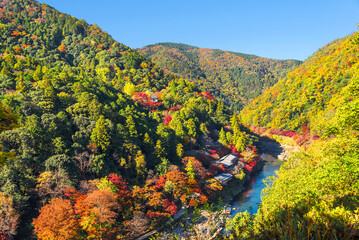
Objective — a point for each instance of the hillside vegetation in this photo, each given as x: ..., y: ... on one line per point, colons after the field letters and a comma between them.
x: 235, y: 78
x: 311, y: 94
x: 316, y: 192
x: 99, y: 148
x: 98, y: 142
x: 315, y: 195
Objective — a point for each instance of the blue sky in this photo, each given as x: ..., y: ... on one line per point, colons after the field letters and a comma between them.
x: 276, y: 28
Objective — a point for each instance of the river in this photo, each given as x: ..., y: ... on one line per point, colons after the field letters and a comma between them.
x: 248, y: 199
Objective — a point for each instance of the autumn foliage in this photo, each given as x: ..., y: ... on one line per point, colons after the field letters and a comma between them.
x: 109, y: 203
x: 57, y: 220
x: 234, y: 78
x: 99, y: 211
x: 89, y: 106
x: 310, y: 94
x: 62, y: 48
x: 199, y: 170
x: 8, y: 216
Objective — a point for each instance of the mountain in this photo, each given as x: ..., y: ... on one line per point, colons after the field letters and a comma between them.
x: 310, y: 94
x: 315, y: 195
x: 97, y: 142
x: 95, y: 136
x: 234, y: 78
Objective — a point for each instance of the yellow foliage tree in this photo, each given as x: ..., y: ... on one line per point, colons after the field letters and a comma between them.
x: 7, y: 121
x: 129, y: 89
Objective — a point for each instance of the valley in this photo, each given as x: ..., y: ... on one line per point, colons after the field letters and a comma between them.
x: 102, y: 141
x: 234, y: 78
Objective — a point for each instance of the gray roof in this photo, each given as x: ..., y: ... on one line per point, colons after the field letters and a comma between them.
x: 223, y: 177
x: 228, y: 160
x: 154, y: 96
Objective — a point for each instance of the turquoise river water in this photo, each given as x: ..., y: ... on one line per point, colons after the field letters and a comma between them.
x: 249, y: 199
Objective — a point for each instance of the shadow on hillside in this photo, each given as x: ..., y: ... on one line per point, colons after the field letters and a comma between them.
x: 270, y: 146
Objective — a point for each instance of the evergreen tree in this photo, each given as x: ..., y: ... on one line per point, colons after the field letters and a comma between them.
x: 100, y: 134
x: 191, y: 127
x: 180, y: 131
x: 162, y: 168
x: 140, y: 164
x: 131, y: 127
x: 20, y: 86
x: 160, y: 152
x: 222, y: 137
x: 190, y: 170
x: 148, y: 143
x: 179, y: 150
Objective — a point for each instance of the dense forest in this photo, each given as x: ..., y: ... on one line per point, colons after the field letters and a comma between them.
x: 234, y: 78
x: 316, y: 192
x: 97, y: 142
x: 311, y: 94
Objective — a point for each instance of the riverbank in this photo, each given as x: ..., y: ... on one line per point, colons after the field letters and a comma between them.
x: 239, y: 194
x: 274, y: 153
x: 271, y: 151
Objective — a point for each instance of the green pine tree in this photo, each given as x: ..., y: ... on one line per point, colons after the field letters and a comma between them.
x: 190, y: 170
x: 179, y: 150
x: 100, y: 134
x: 131, y: 127
x: 222, y: 137
x: 191, y: 126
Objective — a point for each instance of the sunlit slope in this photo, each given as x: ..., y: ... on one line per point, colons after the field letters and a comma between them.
x: 311, y: 93
x: 235, y: 78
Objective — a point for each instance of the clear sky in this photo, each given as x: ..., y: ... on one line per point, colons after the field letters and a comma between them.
x: 283, y: 29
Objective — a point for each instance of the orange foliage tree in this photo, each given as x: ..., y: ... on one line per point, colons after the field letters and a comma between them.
x: 57, y: 220
x: 62, y: 48
x: 199, y: 170
x: 99, y: 211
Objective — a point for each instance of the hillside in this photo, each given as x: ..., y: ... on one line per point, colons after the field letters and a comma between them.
x: 234, y: 78
x: 99, y: 142
x: 310, y: 94
x: 316, y: 192
x: 94, y: 137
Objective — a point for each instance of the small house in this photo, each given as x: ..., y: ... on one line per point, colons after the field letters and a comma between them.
x: 223, y: 178
x: 154, y: 98
x: 228, y: 160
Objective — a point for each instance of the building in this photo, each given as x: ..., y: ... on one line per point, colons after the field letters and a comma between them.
x: 228, y: 160
x: 154, y: 98
x: 223, y: 178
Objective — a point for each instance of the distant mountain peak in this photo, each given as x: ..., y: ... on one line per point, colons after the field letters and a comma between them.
x: 235, y: 78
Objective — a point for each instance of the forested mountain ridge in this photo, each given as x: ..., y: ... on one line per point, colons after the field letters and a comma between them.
x: 235, y: 78
x: 310, y: 94
x: 315, y: 195
x: 102, y: 132
x: 94, y: 138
